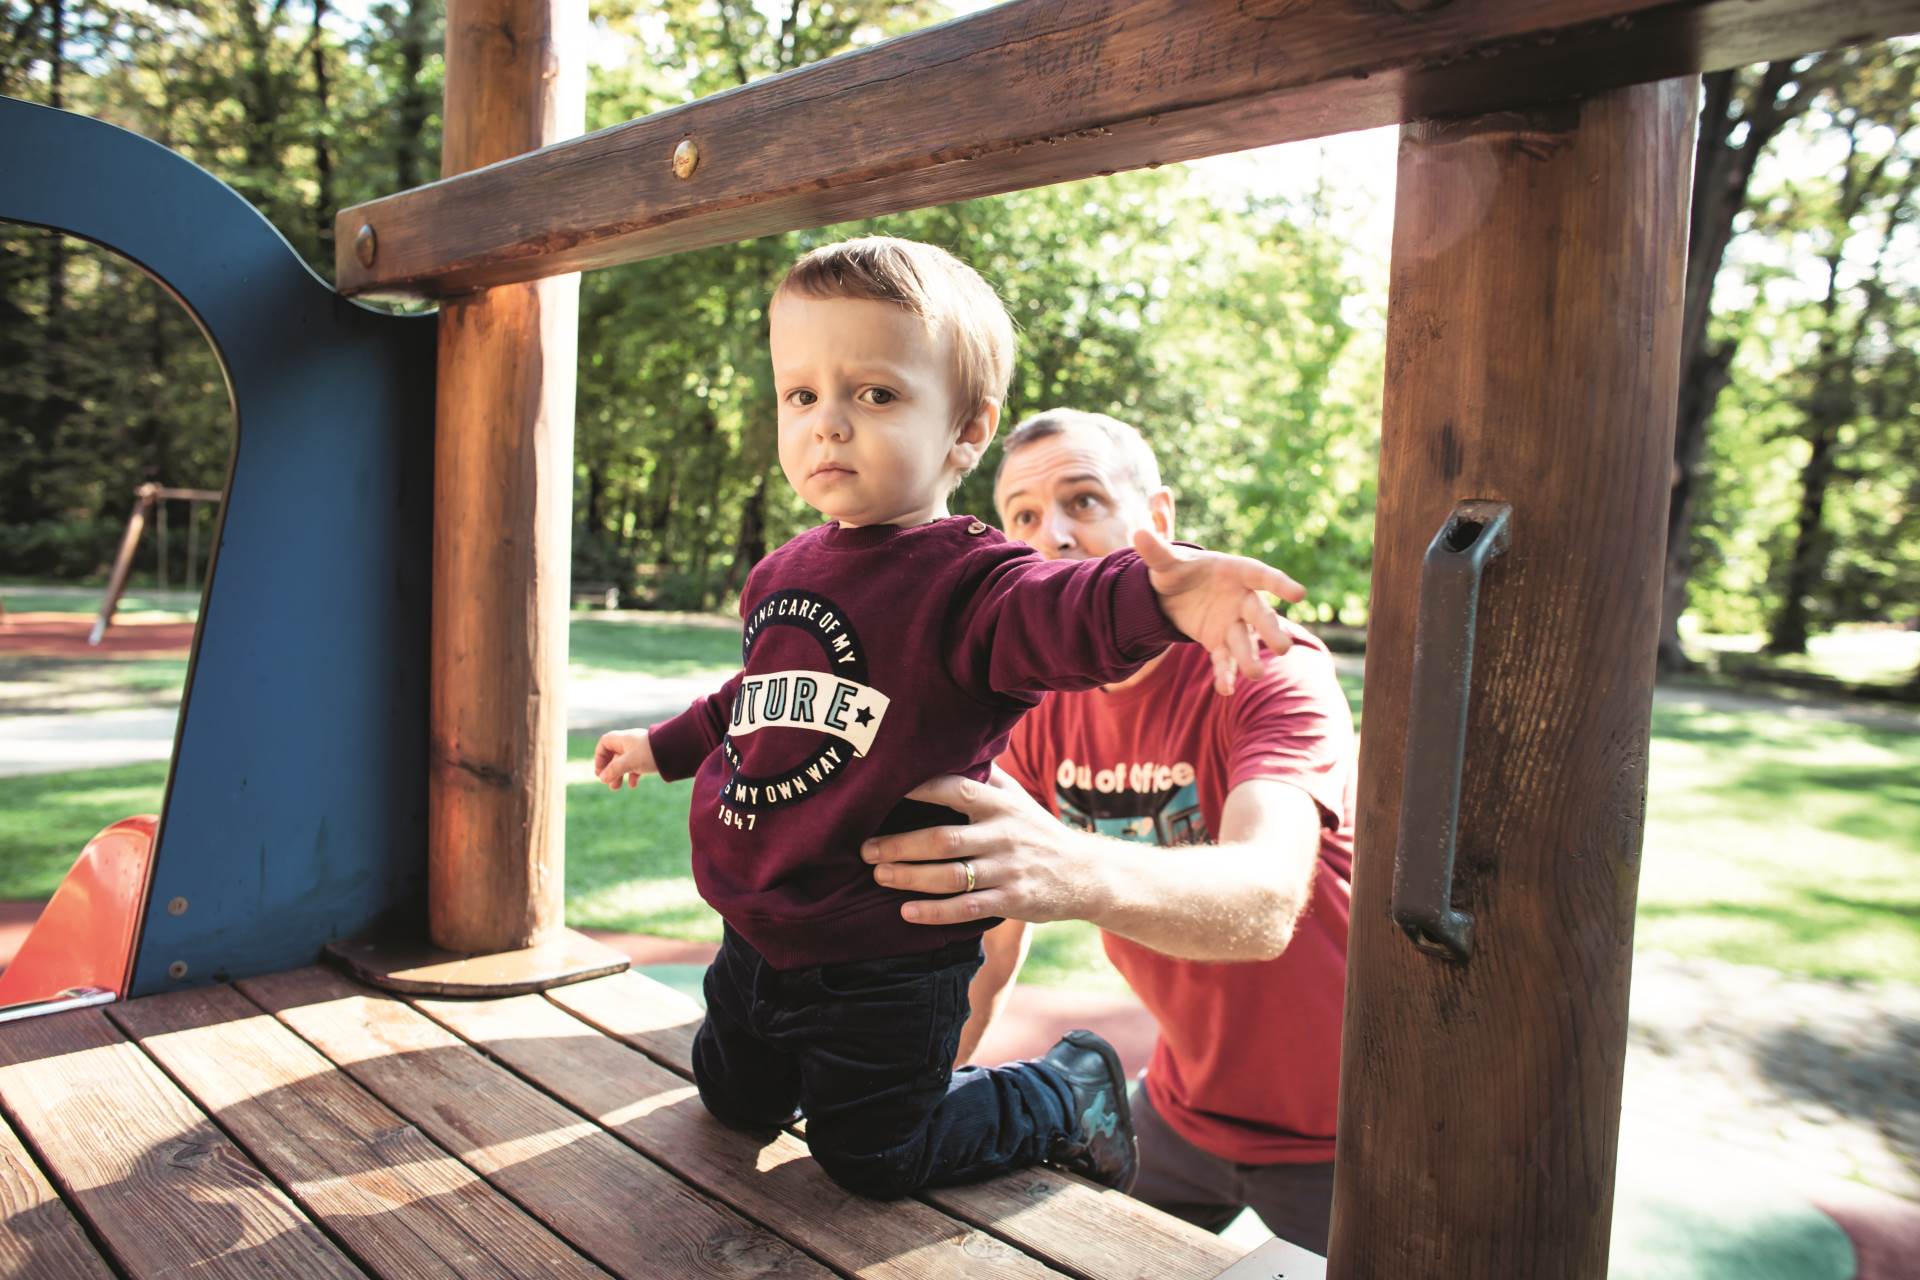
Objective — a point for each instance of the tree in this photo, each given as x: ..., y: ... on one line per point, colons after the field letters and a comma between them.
x: 1741, y: 113
x: 1853, y: 222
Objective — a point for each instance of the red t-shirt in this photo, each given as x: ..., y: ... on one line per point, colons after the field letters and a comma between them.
x: 1247, y: 1063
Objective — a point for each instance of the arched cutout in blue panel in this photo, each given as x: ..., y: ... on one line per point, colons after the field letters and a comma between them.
x: 295, y: 808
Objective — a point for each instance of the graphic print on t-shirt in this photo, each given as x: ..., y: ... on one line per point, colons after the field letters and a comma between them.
x: 836, y: 703
x: 1145, y: 802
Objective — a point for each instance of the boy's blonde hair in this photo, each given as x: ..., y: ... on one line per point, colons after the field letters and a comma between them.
x: 943, y: 291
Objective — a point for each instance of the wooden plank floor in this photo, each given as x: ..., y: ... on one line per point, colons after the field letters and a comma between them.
x: 301, y: 1125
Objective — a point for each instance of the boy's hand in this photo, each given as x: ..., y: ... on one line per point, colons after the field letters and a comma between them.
x: 623, y: 756
x: 1217, y: 600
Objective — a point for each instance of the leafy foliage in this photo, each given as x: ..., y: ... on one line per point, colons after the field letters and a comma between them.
x: 1239, y: 334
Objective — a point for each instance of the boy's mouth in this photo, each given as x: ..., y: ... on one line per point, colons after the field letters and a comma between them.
x: 830, y: 468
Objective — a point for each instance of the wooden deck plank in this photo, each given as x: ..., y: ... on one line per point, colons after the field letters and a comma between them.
x: 1038, y: 92
x: 158, y: 1183
x: 775, y: 1182
x: 616, y: 1206
x: 405, y: 1208
x: 1071, y: 1223
x: 39, y: 1237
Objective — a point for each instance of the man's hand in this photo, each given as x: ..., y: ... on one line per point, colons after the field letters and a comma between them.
x: 623, y: 756
x: 1022, y: 861
x: 1219, y: 601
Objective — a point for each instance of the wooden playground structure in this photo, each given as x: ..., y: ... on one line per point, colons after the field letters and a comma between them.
x: 487, y: 1094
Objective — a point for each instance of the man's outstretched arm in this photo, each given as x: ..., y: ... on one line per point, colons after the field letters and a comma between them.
x: 1239, y: 899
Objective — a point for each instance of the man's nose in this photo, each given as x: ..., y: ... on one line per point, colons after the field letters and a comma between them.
x: 1057, y: 537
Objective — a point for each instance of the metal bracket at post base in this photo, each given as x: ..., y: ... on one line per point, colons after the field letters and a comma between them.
x: 1442, y: 684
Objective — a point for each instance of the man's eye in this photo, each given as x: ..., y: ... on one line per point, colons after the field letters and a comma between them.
x: 1084, y: 502
x: 1021, y: 518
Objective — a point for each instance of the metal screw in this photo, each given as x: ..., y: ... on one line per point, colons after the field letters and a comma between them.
x: 177, y: 970
x: 365, y: 244
x: 686, y: 158
x: 177, y: 907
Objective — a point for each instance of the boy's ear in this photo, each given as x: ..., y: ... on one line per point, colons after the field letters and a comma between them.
x: 975, y: 434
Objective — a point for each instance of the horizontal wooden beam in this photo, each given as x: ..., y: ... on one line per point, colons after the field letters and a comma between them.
x: 1038, y: 92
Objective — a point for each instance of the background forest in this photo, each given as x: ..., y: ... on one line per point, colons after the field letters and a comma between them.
x: 1242, y: 332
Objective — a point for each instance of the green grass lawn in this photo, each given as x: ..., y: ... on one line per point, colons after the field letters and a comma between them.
x: 1786, y: 842
x: 47, y: 818
x: 1772, y: 838
x: 42, y: 598
x: 661, y: 649
x: 1864, y: 656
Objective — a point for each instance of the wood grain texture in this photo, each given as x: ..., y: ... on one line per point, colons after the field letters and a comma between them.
x: 1041, y: 91
x: 1070, y: 1223
x: 1532, y: 358
x: 405, y: 1208
x: 39, y: 1237
x: 660, y: 1113
x: 619, y: 1208
x: 503, y: 501
x: 158, y: 1183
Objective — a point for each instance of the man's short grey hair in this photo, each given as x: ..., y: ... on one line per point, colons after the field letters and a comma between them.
x: 1137, y: 465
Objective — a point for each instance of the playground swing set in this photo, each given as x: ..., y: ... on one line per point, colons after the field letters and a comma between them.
x: 378, y: 669
x: 150, y: 502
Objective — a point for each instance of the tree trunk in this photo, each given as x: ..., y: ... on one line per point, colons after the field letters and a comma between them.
x: 750, y: 548
x: 408, y: 159
x: 261, y: 100
x: 1790, y: 625
x: 55, y: 405
x: 323, y: 203
x: 1722, y: 172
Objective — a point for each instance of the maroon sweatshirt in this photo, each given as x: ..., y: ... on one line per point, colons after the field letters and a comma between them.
x: 876, y: 658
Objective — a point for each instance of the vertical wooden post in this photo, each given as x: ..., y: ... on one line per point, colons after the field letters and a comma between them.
x: 503, y: 488
x: 1532, y: 359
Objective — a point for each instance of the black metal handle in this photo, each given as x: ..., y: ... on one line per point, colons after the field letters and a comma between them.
x: 1475, y: 533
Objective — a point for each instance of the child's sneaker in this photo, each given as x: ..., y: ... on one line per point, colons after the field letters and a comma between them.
x: 1102, y: 1147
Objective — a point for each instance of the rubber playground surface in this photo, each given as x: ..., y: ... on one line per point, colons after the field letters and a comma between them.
x: 64, y: 635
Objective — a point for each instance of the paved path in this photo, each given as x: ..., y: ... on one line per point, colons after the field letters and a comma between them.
x: 80, y: 738
x: 44, y: 742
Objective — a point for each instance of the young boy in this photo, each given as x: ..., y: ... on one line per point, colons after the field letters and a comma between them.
x: 889, y: 645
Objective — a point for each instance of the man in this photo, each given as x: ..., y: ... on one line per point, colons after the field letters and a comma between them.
x: 1210, y: 838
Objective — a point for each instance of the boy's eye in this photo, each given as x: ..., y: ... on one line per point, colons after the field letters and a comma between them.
x: 879, y: 396
x: 800, y: 398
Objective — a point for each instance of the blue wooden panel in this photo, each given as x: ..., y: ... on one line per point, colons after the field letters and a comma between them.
x: 296, y: 804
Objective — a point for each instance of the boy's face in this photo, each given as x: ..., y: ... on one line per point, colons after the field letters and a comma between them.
x: 866, y: 410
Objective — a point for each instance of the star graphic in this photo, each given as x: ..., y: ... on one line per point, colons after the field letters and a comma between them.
x: 865, y: 716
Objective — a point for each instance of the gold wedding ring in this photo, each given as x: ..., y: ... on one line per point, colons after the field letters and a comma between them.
x: 969, y: 867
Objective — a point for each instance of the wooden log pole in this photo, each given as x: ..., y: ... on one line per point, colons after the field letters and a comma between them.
x: 503, y: 436
x: 1532, y: 360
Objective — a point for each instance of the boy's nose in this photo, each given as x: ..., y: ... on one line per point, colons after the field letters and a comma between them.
x: 830, y: 424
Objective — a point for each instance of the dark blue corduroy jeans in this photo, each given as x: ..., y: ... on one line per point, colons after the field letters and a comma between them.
x: 865, y: 1050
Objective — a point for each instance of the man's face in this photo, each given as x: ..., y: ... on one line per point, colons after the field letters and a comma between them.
x: 1070, y: 497
x: 866, y: 409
